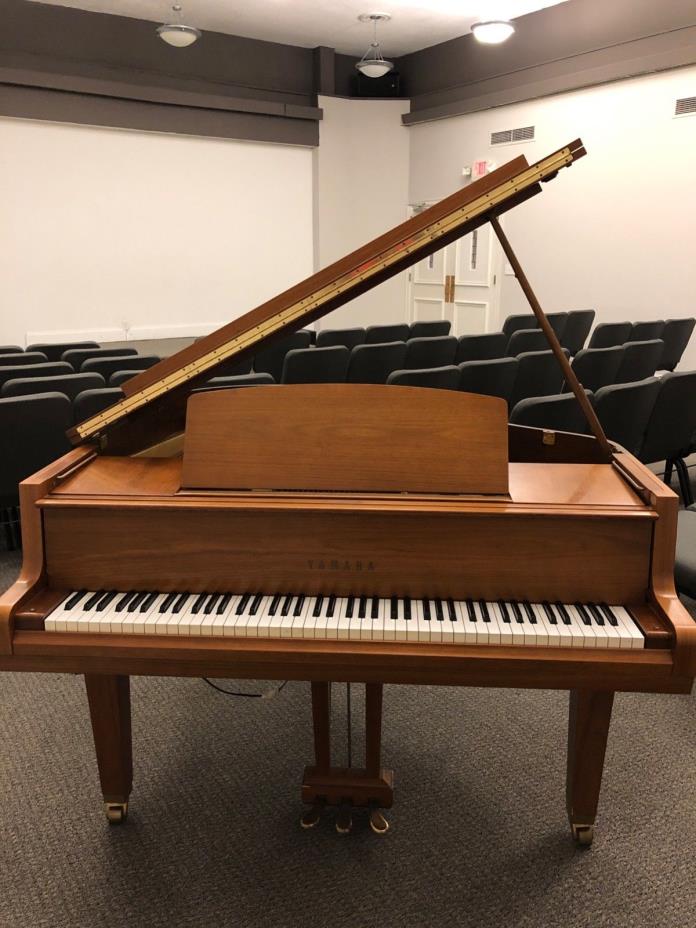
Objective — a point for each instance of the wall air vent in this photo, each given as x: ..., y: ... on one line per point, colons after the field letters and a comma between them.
x: 505, y: 136
x: 685, y: 107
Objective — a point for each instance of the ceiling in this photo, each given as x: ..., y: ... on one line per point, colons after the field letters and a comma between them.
x: 415, y: 24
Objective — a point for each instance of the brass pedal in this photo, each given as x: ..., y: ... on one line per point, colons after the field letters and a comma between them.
x: 312, y: 816
x: 344, y: 819
x: 116, y: 812
x: 378, y: 822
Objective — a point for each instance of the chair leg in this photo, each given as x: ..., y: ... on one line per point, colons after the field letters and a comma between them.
x: 684, y: 483
x: 668, y: 473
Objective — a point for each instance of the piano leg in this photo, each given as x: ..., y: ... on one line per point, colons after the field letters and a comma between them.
x: 346, y: 787
x: 109, y: 709
x: 588, y: 729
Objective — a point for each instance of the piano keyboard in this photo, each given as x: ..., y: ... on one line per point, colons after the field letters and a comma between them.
x: 364, y: 618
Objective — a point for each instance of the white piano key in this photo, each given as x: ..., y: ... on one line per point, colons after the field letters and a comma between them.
x: 635, y: 636
x: 553, y: 638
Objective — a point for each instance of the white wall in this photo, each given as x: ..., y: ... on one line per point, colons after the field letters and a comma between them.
x: 113, y: 234
x: 616, y: 231
x: 361, y: 191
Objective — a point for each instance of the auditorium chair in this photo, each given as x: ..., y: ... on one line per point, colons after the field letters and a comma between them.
x: 327, y: 338
x: 561, y: 413
x: 514, y: 323
x: 68, y: 384
x: 538, y: 374
x: 270, y: 360
x: 374, y: 363
x: 624, y: 410
x: 239, y: 380
x: 90, y: 402
x: 54, y: 351
x: 49, y: 369
x: 597, y: 367
x: 610, y: 334
x: 646, y: 331
x: 481, y: 347
x: 430, y: 329
x: 11, y: 349
x: 671, y: 427
x: 640, y: 360
x: 438, y: 378
x: 676, y: 335
x: 492, y: 377
x: 381, y: 334
x: 524, y: 340
x: 576, y: 330
x: 26, y: 357
x: 685, y: 559
x: 107, y: 366
x: 316, y: 365
x: 437, y: 351
x: 120, y: 376
x: 76, y: 356
x: 558, y: 323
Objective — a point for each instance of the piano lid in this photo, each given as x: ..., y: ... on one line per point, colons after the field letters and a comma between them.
x: 154, y: 405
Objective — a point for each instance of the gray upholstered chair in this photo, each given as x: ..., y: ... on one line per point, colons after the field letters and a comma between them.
x: 671, y: 426
x: 685, y: 559
x: 54, y: 351
x: 675, y: 335
x: 327, y: 338
x: 316, y: 365
x: 561, y: 413
x: 69, y: 385
x: 597, y: 367
x: 538, y: 374
x: 481, y: 347
x: 439, y: 378
x: 75, y: 356
x: 270, y: 360
x: 494, y: 377
x: 526, y: 340
x: 107, y: 366
x: 646, y: 331
x: 515, y: 323
x: 640, y: 360
x: 24, y: 358
x: 374, y: 363
x: 609, y: 334
x: 381, y: 334
x: 624, y: 410
x: 425, y: 352
x: 430, y: 328
x: 90, y: 402
x: 49, y: 369
x: 577, y: 328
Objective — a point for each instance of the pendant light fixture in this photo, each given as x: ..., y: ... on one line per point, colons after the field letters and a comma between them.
x: 176, y: 33
x: 493, y: 31
x: 372, y: 63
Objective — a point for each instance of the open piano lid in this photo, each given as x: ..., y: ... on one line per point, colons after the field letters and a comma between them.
x: 154, y: 406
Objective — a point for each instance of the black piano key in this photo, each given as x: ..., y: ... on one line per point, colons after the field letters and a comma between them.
x: 563, y: 612
x: 148, y: 601
x: 393, y: 609
x: 517, y: 612
x: 287, y: 603
x: 350, y: 606
x: 210, y: 604
x: 224, y: 603
x: 531, y: 615
x: 331, y: 607
x: 470, y: 610
x: 439, y: 615
x: 407, y: 610
x: 504, y: 611
x: 611, y: 618
x: 73, y: 600
x: 180, y: 603
x: 297, y: 611
x: 451, y: 611
x: 256, y: 602
x: 596, y: 613
x: 105, y: 600
x: 124, y: 600
x: 483, y: 606
x: 241, y: 605
x: 374, y: 612
x: 550, y: 614
x: 199, y: 603
x: 275, y: 602
x: 317, y: 607
x: 362, y: 608
x: 585, y: 616
x: 135, y: 602
x: 167, y: 602
x: 93, y: 600
x: 426, y: 609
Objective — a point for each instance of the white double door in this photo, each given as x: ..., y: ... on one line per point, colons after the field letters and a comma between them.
x: 460, y: 283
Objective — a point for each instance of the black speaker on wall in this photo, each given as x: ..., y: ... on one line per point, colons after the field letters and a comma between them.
x: 387, y: 86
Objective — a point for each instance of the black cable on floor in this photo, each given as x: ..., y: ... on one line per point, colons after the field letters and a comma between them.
x: 266, y: 694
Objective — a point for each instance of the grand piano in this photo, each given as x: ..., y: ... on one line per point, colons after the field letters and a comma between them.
x: 350, y: 533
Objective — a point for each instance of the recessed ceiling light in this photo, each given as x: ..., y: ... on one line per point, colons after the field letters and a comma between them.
x: 493, y: 32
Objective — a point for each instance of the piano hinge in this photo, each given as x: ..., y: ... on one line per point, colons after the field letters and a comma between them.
x: 548, y: 437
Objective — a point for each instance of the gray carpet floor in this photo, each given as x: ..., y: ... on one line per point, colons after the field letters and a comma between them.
x: 479, y: 835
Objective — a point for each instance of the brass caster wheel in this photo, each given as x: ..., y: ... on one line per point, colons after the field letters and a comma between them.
x: 378, y: 822
x: 583, y: 835
x: 344, y: 820
x: 312, y: 817
x: 116, y: 812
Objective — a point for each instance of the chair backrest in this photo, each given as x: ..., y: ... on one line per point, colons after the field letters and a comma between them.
x: 494, y: 377
x: 481, y: 347
x: 561, y: 413
x: 316, y: 365
x: 672, y: 420
x: 597, y: 367
x: 49, y: 369
x: 37, y: 425
x: 119, y: 377
x: 326, y: 338
x: 515, y: 323
x: 577, y: 328
x: 108, y: 366
x: 676, y: 335
x: 609, y: 334
x: 234, y: 367
x: 624, y: 409
x: 374, y: 363
x: 381, y: 334
x: 240, y: 380
x: 75, y: 356
x: 26, y: 357
x: 526, y: 340
x: 430, y: 329
x: 11, y: 349
x: 640, y: 360
x: 558, y: 323
x: 90, y: 402
x: 439, y: 378
x: 646, y: 331
x: 55, y: 351
x: 69, y: 385
x: 270, y: 360
x: 430, y: 352
x: 538, y: 374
